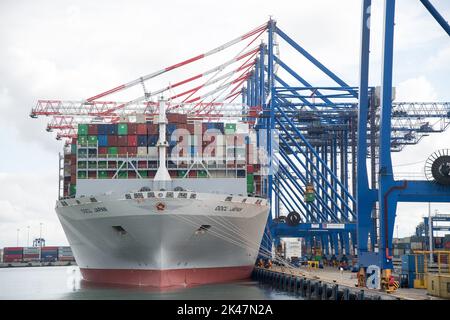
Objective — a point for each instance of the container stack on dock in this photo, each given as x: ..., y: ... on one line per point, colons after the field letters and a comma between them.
x: 31, y: 254
x: 49, y: 254
x: 65, y: 254
x: 12, y: 254
x: 104, y: 151
x: 36, y: 254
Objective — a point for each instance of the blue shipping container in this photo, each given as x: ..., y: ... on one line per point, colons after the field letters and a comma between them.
x: 220, y: 126
x: 142, y: 141
x: 411, y: 278
x: 102, y: 140
x: 420, y: 263
x: 111, y: 129
x: 152, y: 140
x: 49, y: 255
x: 171, y: 127
x: 408, y: 263
x: 102, y: 129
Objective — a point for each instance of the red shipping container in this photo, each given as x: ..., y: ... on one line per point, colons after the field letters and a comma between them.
x: 173, y: 173
x: 250, y: 168
x: 132, y: 151
x: 132, y: 141
x: 122, y: 141
x: 31, y: 257
x: 112, y: 141
x: 131, y: 174
x: 92, y: 129
x: 192, y: 174
x: 132, y: 128
x: 142, y: 164
x: 92, y: 175
x: 182, y: 118
x: 111, y: 174
x: 73, y: 178
x: 103, y: 150
x: 190, y: 127
x: 122, y: 151
x: 172, y: 117
x: 12, y: 258
x: 142, y: 128
x: 151, y: 173
x: 112, y: 165
x: 74, y: 140
x: 152, y: 129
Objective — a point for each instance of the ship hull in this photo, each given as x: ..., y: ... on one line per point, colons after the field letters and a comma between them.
x: 164, y: 241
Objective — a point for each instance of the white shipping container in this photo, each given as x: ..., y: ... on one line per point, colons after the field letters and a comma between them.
x: 142, y: 151
x: 64, y: 250
x: 242, y: 127
x: 31, y: 250
x: 153, y: 152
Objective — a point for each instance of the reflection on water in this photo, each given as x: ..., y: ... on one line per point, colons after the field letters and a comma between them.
x: 67, y: 283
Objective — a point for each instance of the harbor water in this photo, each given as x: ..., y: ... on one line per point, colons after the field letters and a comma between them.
x: 53, y: 283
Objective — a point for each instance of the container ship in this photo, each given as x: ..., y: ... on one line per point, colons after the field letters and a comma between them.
x: 162, y: 201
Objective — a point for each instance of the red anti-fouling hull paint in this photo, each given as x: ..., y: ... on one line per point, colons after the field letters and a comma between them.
x: 167, y: 278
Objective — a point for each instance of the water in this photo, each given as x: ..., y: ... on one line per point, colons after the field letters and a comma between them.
x: 56, y: 283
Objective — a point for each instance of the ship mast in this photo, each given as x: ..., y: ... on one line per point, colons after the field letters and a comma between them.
x: 162, y: 175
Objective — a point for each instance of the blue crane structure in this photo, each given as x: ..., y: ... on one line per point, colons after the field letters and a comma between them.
x: 321, y: 136
x: 389, y: 191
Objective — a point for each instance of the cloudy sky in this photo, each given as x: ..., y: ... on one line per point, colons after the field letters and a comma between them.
x: 75, y: 49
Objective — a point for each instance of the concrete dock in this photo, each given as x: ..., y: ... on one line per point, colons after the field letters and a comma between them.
x: 348, y: 280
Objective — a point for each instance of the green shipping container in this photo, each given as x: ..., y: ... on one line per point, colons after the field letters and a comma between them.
x: 82, y: 141
x: 92, y: 165
x: 82, y: 130
x: 231, y: 126
x: 250, y: 188
x: 112, y: 150
x: 102, y: 164
x: 250, y: 178
x: 202, y: 174
x: 82, y: 175
x: 73, y: 148
x: 92, y: 140
x: 310, y: 197
x: 73, y: 189
x: 143, y: 173
x: 82, y: 164
x: 123, y: 175
x: 181, y: 173
x: 122, y: 129
x: 103, y: 174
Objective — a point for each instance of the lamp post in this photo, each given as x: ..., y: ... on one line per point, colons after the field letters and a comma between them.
x: 18, y: 230
x: 40, y: 234
x: 28, y: 236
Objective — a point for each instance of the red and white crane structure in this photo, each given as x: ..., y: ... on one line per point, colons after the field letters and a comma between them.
x: 213, y: 97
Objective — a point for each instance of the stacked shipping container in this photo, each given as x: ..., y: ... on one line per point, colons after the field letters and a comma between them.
x: 12, y: 254
x: 96, y: 152
x: 44, y: 254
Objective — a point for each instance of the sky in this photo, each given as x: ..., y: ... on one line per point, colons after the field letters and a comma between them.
x: 74, y: 49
